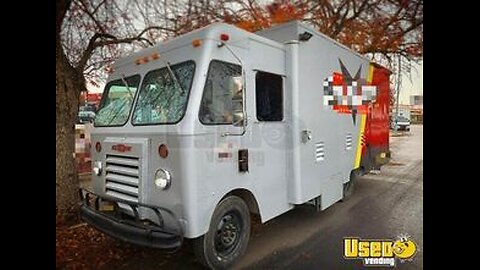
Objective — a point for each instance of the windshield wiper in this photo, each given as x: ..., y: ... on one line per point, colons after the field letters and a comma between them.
x: 126, y: 85
x: 174, y: 77
x: 119, y: 109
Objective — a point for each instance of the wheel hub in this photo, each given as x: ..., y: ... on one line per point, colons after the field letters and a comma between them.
x: 226, y: 237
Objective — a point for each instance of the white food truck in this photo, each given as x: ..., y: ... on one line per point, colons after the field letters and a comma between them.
x: 195, y: 134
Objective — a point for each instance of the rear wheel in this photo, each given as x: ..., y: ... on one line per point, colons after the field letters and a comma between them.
x: 349, y: 186
x: 227, y: 237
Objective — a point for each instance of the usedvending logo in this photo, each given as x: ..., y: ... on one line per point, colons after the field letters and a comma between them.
x: 380, y: 252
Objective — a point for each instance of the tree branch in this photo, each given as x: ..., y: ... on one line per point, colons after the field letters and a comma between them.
x: 108, y: 39
x: 90, y: 47
x: 61, y: 9
x: 99, y: 5
x: 84, y: 7
x: 156, y: 28
x: 344, y: 20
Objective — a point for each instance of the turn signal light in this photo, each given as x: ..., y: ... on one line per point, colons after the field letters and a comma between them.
x: 98, y: 147
x: 155, y: 56
x: 224, y: 37
x: 109, y: 69
x: 196, y: 43
x: 163, y: 150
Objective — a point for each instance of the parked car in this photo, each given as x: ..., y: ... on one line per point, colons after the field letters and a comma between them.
x: 402, y: 123
x: 86, y: 117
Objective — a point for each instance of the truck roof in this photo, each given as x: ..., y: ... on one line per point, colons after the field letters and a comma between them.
x: 213, y: 31
x: 210, y: 32
x: 295, y: 24
x: 299, y: 25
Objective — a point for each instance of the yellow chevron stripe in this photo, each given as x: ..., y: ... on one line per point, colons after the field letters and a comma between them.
x: 363, y: 120
x: 358, y: 157
x: 370, y: 74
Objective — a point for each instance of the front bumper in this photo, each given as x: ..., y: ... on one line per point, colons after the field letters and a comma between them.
x: 131, y: 230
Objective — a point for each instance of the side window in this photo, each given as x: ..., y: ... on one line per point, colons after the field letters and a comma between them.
x: 216, y: 106
x: 269, y: 96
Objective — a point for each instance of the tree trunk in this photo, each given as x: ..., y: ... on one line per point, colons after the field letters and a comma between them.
x: 68, y: 88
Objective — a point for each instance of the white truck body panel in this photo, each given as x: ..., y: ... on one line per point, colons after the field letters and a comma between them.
x: 283, y: 170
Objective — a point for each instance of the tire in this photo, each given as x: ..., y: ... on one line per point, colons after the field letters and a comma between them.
x: 227, y: 237
x: 349, y: 187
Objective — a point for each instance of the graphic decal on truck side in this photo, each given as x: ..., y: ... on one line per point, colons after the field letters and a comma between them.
x: 361, y: 143
x: 347, y: 94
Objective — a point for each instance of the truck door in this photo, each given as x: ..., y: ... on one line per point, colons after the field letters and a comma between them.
x: 221, y: 139
x: 268, y: 133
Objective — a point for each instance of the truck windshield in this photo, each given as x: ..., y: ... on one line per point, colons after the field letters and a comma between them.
x: 117, y: 101
x: 163, y: 96
x: 402, y: 118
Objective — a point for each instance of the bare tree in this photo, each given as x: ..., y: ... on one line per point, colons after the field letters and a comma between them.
x: 89, y: 34
x: 385, y: 27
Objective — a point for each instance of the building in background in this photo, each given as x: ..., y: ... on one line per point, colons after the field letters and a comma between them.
x: 416, y: 108
x: 412, y: 111
x: 416, y: 100
x: 411, y: 95
x: 90, y: 99
x: 89, y: 103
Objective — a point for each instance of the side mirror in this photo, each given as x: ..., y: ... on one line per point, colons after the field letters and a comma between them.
x: 236, y: 88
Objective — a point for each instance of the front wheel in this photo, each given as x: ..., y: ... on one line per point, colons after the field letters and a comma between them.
x: 227, y: 237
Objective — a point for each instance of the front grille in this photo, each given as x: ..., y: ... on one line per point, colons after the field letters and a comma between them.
x: 122, y: 177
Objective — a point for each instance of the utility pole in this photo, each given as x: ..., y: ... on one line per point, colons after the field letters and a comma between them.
x: 399, y: 82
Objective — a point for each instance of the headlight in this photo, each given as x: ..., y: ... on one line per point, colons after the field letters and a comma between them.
x: 97, y: 168
x: 163, y: 179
